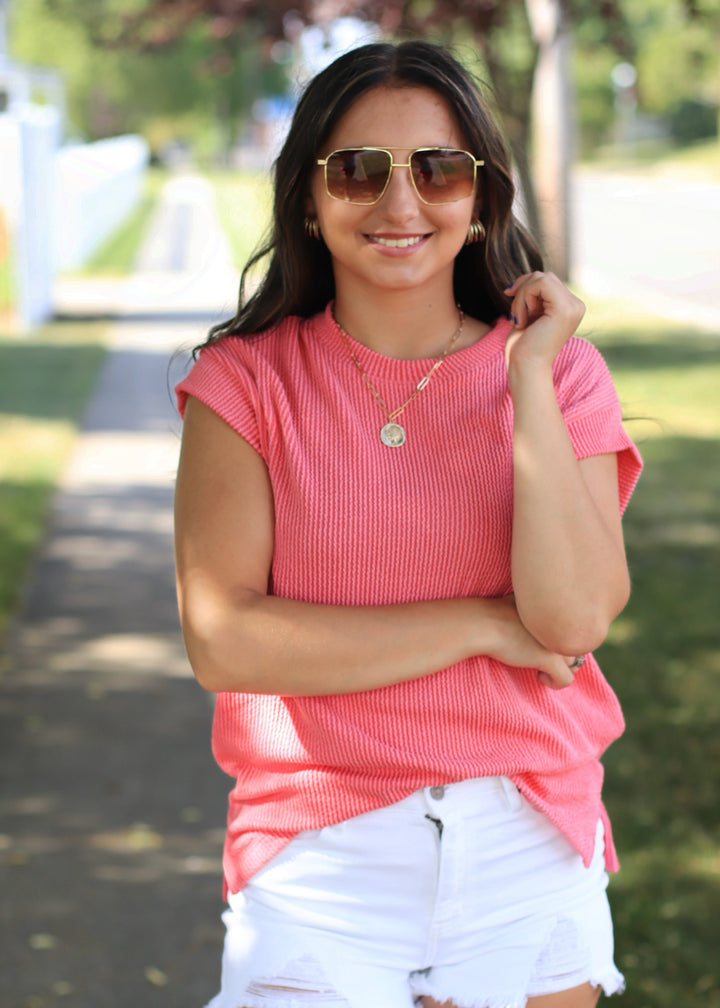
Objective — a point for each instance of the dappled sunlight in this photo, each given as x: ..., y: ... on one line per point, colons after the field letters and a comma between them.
x: 127, y: 652
x: 110, y: 460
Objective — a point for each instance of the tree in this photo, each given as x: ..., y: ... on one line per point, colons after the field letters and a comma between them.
x: 520, y: 47
x: 495, y: 34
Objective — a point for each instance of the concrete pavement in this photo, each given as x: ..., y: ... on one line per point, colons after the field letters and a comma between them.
x: 651, y: 239
x: 111, y: 807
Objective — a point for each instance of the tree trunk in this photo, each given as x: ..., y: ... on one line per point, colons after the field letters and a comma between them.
x: 551, y: 125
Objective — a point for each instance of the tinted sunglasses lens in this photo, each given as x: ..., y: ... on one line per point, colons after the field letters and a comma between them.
x: 357, y: 176
x: 442, y: 176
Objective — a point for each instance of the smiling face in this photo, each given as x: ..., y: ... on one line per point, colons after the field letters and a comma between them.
x: 398, y: 243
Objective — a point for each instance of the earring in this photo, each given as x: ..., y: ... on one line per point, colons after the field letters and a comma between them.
x: 312, y: 228
x: 476, y: 232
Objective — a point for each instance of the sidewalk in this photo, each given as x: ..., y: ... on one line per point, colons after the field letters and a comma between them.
x: 111, y: 807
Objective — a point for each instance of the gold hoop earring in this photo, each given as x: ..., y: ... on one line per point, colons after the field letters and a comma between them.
x: 312, y: 228
x: 476, y: 232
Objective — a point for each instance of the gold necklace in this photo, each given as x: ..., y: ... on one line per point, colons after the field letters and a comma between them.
x: 392, y: 433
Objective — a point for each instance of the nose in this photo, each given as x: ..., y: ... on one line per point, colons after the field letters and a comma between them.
x: 400, y: 201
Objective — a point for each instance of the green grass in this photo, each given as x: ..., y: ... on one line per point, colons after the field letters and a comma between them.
x: 698, y: 160
x: 244, y: 203
x: 117, y: 254
x: 45, y: 380
x: 663, y: 659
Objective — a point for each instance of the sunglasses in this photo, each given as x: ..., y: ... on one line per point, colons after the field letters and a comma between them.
x: 361, y: 174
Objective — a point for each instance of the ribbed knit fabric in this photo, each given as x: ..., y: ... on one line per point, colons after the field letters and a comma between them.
x: 359, y: 523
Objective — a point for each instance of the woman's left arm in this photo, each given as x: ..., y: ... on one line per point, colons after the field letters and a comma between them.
x: 569, y: 571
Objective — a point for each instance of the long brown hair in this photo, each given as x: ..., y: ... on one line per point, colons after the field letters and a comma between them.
x: 299, y: 276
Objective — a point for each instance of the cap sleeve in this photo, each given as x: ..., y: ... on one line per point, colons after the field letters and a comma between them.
x: 591, y: 409
x: 224, y: 379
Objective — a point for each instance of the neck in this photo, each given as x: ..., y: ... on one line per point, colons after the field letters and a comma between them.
x: 404, y: 324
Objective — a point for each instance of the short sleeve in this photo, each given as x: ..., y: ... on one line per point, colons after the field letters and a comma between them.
x: 592, y: 412
x: 224, y: 379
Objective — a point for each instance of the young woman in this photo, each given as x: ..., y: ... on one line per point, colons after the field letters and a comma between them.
x: 398, y: 542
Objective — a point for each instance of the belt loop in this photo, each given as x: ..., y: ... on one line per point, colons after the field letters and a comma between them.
x: 513, y: 795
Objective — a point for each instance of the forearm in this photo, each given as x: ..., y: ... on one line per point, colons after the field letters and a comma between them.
x: 568, y: 565
x: 265, y: 644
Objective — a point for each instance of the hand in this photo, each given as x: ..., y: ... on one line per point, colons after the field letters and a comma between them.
x: 517, y: 647
x: 545, y: 314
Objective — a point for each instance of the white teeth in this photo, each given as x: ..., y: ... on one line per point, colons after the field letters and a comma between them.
x: 397, y: 242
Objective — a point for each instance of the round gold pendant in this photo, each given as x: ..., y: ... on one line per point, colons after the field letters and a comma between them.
x: 392, y: 435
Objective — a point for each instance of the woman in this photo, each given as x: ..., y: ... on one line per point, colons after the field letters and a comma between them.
x: 398, y: 542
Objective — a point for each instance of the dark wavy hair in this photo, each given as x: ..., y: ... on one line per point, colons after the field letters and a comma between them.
x: 299, y: 276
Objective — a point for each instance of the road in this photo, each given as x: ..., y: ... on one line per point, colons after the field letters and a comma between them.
x: 653, y: 238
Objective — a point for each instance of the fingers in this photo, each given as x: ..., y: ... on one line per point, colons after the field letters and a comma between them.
x: 537, y: 294
x: 561, y: 673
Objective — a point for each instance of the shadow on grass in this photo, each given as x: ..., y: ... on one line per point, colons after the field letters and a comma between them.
x: 26, y: 369
x: 688, y: 348
x: 663, y: 791
x: 23, y: 507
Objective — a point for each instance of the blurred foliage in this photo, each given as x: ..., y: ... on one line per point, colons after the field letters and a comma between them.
x: 193, y: 68
x: 673, y: 45
x: 196, y: 90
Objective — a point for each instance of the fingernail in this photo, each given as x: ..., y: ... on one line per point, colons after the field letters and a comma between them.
x: 513, y: 318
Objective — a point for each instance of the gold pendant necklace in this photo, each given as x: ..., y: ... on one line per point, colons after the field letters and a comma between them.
x: 392, y: 433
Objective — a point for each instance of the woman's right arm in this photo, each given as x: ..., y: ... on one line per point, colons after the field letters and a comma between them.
x: 239, y: 638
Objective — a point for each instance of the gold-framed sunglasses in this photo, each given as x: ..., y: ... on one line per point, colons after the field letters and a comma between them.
x: 361, y: 174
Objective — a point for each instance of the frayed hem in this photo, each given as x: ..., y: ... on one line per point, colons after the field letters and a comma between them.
x: 517, y: 1000
x: 610, y: 983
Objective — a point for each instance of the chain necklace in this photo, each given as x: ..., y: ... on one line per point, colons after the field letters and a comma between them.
x: 392, y: 433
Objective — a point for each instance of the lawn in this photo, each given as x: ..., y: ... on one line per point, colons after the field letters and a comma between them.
x: 46, y: 378
x: 244, y: 202
x: 663, y: 659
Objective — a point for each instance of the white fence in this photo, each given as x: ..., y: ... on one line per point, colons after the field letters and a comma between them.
x: 28, y: 142
x: 97, y: 186
x: 59, y: 204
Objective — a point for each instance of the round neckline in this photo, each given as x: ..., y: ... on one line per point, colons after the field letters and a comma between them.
x: 401, y: 368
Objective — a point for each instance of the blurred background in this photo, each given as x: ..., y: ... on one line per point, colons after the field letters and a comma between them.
x: 136, y: 144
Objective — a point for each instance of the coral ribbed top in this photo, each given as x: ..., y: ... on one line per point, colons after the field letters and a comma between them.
x: 360, y: 523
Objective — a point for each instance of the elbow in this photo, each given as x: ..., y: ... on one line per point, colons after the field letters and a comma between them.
x: 571, y: 639
x: 211, y: 680
x: 218, y: 658
x: 209, y: 659
x: 577, y: 628
x: 217, y: 676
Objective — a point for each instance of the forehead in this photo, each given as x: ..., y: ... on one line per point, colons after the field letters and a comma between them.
x: 400, y: 118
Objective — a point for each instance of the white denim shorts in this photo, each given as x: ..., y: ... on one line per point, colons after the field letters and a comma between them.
x: 463, y: 892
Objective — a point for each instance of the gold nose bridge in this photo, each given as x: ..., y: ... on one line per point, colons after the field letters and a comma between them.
x: 393, y: 166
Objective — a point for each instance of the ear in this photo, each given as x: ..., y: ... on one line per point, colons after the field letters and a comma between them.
x: 310, y: 210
